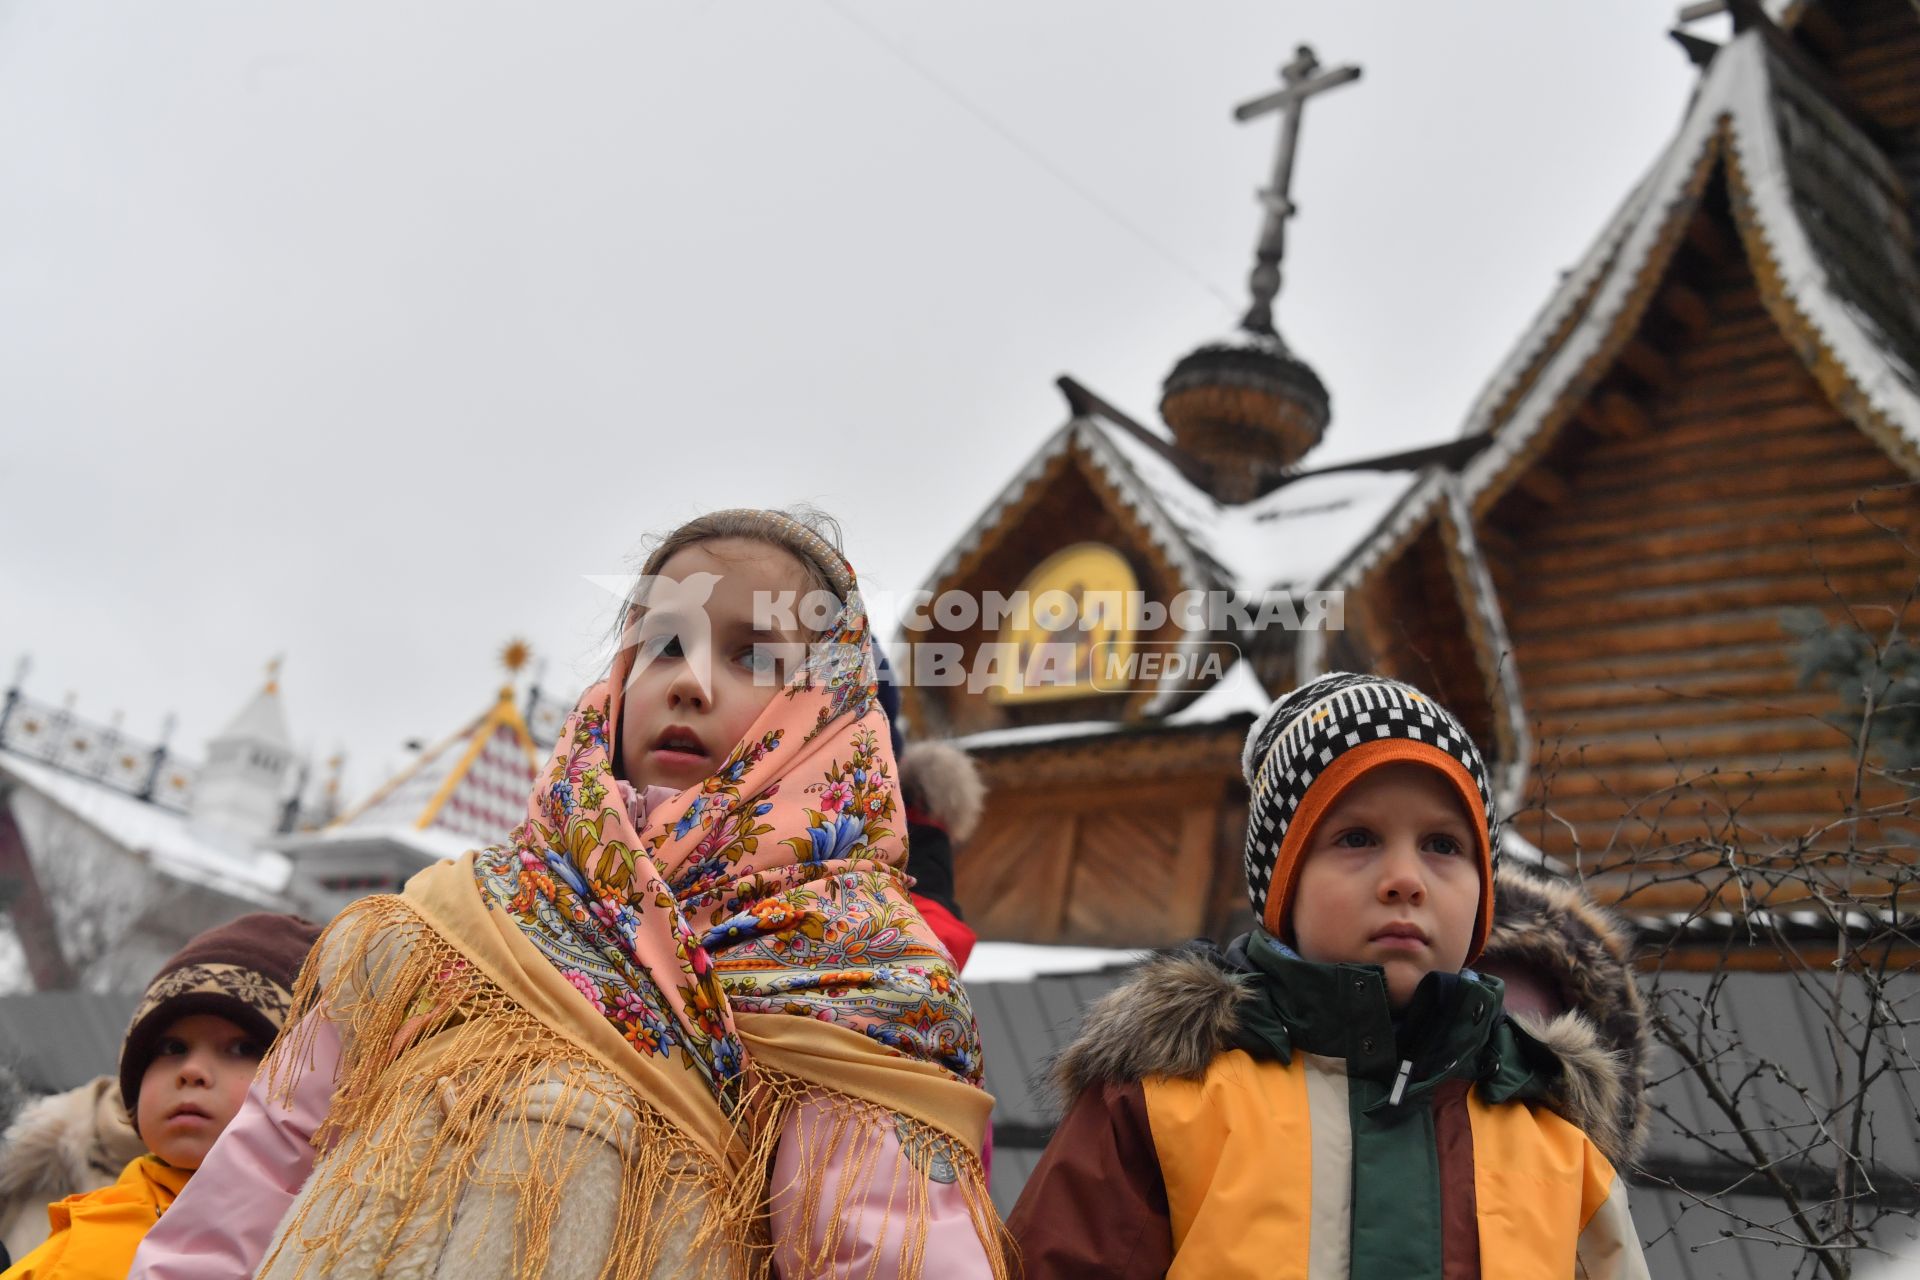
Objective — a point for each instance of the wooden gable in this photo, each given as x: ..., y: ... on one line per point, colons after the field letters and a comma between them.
x: 1715, y: 423
x: 1104, y: 824
x: 1646, y: 591
x: 1075, y: 496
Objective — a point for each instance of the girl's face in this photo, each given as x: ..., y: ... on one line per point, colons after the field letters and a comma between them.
x: 708, y: 659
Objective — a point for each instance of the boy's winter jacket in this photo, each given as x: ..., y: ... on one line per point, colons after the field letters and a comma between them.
x: 1251, y: 1113
x: 94, y: 1235
x: 56, y: 1147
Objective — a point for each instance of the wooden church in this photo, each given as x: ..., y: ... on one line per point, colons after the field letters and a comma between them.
x: 1713, y: 420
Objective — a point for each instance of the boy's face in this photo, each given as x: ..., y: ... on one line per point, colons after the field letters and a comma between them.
x: 673, y: 731
x: 194, y: 1086
x: 1390, y: 877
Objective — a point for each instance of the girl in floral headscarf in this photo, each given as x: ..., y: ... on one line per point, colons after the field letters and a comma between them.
x: 685, y: 1023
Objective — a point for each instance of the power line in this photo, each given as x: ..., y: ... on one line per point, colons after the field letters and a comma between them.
x: 953, y: 94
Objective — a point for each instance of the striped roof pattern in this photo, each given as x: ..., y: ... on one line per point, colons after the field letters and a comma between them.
x: 490, y: 798
x: 473, y: 784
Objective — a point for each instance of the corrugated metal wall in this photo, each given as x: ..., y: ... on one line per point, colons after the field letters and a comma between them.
x: 55, y: 1040
x: 1698, y: 1234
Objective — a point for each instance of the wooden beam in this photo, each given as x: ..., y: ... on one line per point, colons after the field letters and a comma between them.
x: 1619, y: 415
x: 1647, y: 363
x: 1496, y: 543
x: 1686, y: 305
x: 1821, y: 31
x: 1699, y: 52
x: 1543, y: 486
x: 1711, y: 240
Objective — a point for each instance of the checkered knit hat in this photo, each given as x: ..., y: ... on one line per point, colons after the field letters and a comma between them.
x: 242, y: 971
x: 1314, y: 743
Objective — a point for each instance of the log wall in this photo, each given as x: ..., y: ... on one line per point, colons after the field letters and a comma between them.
x: 1645, y: 594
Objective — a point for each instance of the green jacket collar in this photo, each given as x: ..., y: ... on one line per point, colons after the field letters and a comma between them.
x: 1341, y: 1011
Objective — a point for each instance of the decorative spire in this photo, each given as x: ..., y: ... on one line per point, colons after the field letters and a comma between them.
x: 1300, y: 80
x: 273, y: 672
x: 514, y: 657
x: 1247, y: 408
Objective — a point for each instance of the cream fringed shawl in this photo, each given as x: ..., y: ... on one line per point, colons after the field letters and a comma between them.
x: 692, y: 1182
x: 669, y: 992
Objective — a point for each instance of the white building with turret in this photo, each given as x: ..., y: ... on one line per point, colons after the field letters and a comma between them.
x: 115, y: 851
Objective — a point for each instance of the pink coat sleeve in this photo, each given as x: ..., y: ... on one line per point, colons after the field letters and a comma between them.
x: 873, y: 1226
x: 223, y: 1221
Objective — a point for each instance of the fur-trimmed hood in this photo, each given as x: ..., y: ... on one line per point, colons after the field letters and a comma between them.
x: 1582, y: 954
x: 943, y: 783
x: 1184, y: 1008
x: 75, y: 1141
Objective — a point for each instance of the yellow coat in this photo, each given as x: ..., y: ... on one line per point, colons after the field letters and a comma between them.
x: 95, y: 1234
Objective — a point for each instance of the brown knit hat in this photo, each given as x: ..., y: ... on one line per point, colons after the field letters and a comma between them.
x: 242, y: 971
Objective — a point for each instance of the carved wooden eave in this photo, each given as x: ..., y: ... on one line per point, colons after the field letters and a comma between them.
x: 1436, y: 503
x: 1734, y: 126
x: 1492, y: 648
x: 1083, y: 445
x: 1080, y: 441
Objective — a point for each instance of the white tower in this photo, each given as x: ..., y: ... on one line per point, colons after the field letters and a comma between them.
x: 243, y: 785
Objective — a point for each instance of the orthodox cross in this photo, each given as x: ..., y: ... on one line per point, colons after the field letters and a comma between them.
x: 1300, y: 80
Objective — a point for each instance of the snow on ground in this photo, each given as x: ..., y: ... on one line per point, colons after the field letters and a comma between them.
x: 1022, y: 961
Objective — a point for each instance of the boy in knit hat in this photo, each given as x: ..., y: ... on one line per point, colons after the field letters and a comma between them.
x: 1338, y: 1094
x: 189, y: 1055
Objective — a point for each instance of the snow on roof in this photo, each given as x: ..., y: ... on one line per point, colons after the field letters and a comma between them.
x: 1156, y: 492
x: 1024, y: 734
x: 1297, y: 537
x: 1292, y: 538
x: 472, y: 785
x: 1022, y: 961
x: 1576, y: 286
x: 172, y: 843
x: 1239, y: 692
x: 1742, y: 88
x: 1573, y: 294
x: 1826, y: 198
x: 1190, y: 511
x: 435, y: 844
x: 263, y: 720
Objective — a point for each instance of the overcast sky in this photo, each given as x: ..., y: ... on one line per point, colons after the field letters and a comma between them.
x: 360, y: 332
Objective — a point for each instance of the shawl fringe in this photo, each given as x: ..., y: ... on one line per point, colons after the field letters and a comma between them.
x: 448, y: 1084
x: 449, y: 1088
x: 852, y: 1143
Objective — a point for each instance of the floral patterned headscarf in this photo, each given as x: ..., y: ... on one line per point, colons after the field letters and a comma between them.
x: 775, y: 886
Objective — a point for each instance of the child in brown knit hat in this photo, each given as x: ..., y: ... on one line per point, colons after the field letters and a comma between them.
x: 187, y: 1060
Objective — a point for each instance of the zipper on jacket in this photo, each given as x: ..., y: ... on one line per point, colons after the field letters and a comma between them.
x: 1400, y: 1082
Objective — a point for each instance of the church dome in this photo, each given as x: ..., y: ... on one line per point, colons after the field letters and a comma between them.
x: 1248, y: 408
